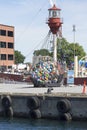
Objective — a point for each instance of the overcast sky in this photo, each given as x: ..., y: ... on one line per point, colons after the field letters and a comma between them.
x: 29, y: 19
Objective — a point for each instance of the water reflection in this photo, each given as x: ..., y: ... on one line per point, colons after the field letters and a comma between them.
x: 26, y: 124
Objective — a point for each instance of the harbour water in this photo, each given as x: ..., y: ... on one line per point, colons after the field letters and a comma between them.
x: 27, y: 124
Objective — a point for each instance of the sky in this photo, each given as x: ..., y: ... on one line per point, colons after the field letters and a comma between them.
x: 29, y: 20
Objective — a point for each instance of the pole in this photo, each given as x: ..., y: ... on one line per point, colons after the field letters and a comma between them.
x: 74, y: 30
x: 54, y: 49
x: 75, y: 61
x: 76, y: 66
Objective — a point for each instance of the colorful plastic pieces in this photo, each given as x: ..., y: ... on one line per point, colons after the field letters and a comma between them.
x: 45, y: 72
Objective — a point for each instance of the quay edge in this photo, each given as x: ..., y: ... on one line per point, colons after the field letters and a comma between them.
x: 52, y: 105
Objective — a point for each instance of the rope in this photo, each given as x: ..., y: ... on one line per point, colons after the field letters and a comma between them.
x: 33, y: 20
x: 46, y: 40
x: 38, y: 45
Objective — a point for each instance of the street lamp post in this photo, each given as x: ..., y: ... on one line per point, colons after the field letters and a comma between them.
x: 74, y: 30
x: 75, y: 57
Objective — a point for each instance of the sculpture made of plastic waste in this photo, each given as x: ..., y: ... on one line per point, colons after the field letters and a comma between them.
x: 46, y: 74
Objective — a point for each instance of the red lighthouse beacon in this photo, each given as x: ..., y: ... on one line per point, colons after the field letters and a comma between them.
x: 55, y: 24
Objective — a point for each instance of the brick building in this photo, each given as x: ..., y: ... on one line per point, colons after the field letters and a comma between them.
x: 6, y: 46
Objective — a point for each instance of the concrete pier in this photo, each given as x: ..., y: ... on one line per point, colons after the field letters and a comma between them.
x: 20, y: 100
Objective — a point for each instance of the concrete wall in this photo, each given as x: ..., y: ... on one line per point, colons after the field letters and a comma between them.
x: 48, y: 106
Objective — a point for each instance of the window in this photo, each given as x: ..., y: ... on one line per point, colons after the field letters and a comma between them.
x: 10, y: 57
x: 3, y: 56
x: 10, y: 45
x: 3, y: 68
x: 54, y: 13
x: 3, y: 32
x: 10, y: 33
x: 2, y: 44
x: 9, y: 67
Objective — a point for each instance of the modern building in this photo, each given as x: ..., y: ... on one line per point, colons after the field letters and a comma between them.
x: 6, y: 46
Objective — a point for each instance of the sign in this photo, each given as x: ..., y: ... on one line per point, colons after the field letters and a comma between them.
x: 70, y: 77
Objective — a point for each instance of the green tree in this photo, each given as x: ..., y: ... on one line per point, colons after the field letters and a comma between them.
x: 19, y: 58
x: 62, y: 49
x: 77, y: 50
x: 66, y: 51
x: 42, y: 52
